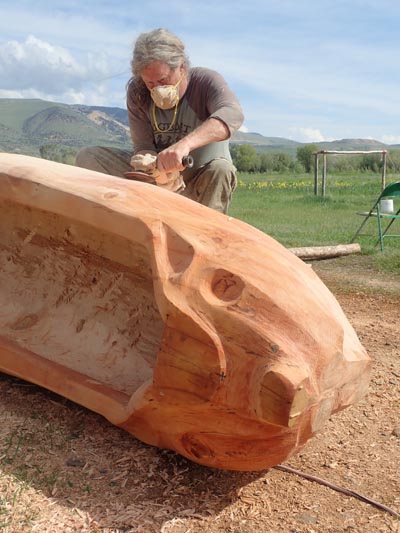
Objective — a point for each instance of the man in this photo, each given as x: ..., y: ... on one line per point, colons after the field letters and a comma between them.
x: 174, y: 111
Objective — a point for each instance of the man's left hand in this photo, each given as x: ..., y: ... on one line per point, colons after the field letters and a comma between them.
x: 172, y: 181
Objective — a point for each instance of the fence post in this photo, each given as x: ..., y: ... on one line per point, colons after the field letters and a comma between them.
x: 315, y: 173
x: 326, y: 152
x: 324, y: 175
x: 384, y: 154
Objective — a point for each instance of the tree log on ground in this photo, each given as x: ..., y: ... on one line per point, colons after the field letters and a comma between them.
x: 326, y: 252
x: 190, y: 329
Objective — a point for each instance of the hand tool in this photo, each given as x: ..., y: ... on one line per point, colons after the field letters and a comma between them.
x: 141, y: 175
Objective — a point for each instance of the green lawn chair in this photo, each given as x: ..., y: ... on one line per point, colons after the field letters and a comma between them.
x: 390, y: 192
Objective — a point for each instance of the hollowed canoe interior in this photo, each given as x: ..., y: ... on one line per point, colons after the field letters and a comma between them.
x: 78, y: 296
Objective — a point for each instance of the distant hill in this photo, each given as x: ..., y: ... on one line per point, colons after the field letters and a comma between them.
x: 259, y: 140
x: 118, y: 114
x: 28, y: 124
x: 281, y: 144
x: 264, y: 144
x: 353, y: 144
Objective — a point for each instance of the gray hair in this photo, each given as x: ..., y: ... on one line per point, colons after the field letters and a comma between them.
x: 158, y: 45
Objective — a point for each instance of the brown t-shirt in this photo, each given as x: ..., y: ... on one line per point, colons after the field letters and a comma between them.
x: 207, y: 95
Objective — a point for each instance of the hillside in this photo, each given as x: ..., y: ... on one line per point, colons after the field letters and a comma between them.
x: 280, y: 144
x: 259, y: 140
x: 28, y: 124
x: 352, y: 144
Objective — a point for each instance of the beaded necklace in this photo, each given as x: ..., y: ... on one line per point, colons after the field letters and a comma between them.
x: 155, y: 119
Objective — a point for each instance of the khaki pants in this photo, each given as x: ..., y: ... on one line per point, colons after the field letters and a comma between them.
x: 212, y: 185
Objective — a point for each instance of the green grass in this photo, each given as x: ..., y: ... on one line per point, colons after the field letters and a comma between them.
x: 285, y: 207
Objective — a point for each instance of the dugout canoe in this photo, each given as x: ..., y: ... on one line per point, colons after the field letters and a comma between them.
x: 189, y: 329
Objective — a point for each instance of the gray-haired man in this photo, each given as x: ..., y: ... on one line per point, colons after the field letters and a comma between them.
x: 174, y: 111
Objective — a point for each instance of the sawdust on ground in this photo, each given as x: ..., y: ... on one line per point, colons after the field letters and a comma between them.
x: 65, y: 469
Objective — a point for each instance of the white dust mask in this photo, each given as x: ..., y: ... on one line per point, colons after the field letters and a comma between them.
x: 166, y: 96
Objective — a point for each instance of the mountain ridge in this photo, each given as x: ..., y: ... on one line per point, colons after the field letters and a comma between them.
x: 28, y: 124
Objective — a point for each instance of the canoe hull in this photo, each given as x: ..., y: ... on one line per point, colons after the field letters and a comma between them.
x: 191, y: 330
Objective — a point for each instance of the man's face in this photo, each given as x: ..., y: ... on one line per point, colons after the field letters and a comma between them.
x: 158, y: 73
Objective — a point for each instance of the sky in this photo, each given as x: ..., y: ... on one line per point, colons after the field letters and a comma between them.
x: 305, y: 70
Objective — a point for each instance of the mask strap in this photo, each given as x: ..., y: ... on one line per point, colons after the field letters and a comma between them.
x: 179, y: 81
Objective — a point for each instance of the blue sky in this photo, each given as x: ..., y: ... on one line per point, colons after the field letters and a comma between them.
x: 305, y: 70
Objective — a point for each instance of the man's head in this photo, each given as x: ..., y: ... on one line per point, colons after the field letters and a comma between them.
x: 159, y: 46
x: 159, y: 62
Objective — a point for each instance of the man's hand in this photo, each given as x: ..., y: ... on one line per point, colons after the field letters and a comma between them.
x: 147, y: 163
x: 172, y: 181
x: 170, y: 159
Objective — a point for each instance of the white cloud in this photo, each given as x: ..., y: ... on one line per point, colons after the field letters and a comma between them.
x: 306, y: 135
x: 391, y: 139
x: 35, y: 68
x: 244, y: 129
x: 88, y: 96
x: 38, y: 66
x: 291, y: 71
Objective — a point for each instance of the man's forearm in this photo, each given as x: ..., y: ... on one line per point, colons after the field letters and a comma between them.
x: 212, y: 130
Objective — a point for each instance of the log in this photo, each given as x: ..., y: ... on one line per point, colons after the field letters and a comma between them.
x: 340, y: 152
x: 326, y: 252
x: 189, y: 329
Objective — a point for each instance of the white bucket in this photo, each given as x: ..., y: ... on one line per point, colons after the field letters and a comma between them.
x: 387, y: 206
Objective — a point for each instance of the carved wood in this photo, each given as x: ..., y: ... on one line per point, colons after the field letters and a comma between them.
x: 190, y: 329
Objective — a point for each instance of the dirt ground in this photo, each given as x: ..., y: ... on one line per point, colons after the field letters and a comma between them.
x: 65, y: 469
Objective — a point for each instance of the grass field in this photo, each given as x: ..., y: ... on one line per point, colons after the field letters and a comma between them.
x: 285, y: 207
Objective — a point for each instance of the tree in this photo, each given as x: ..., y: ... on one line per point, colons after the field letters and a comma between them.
x: 49, y: 151
x: 55, y: 152
x: 394, y: 161
x: 245, y: 158
x: 305, y: 156
x: 281, y: 162
x: 370, y: 162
